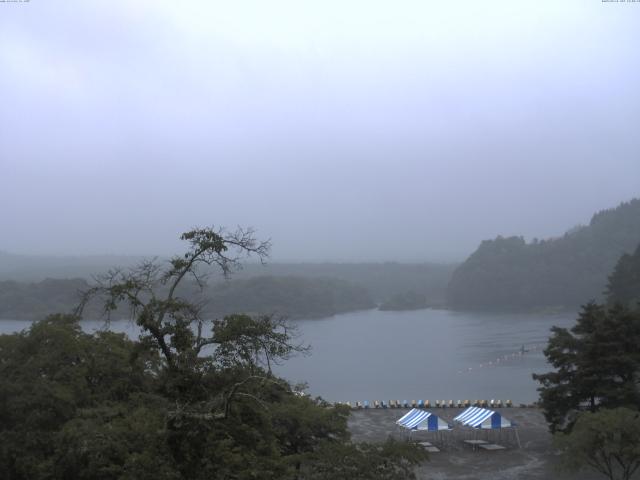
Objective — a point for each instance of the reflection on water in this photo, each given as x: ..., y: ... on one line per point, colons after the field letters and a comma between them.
x: 423, y: 354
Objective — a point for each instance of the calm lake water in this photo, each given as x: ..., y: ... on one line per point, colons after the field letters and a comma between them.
x: 423, y: 354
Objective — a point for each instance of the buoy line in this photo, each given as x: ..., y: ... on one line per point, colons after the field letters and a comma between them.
x: 505, y: 358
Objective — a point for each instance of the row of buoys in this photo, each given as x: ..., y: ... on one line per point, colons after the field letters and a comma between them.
x: 427, y: 404
x: 504, y: 358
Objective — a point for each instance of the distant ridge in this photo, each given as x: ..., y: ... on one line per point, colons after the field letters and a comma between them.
x: 35, y: 268
x: 559, y: 273
x: 31, y: 287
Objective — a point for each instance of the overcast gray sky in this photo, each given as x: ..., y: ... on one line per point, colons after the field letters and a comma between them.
x: 343, y: 130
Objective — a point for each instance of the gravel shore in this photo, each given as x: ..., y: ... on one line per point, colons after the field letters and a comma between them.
x: 457, y: 460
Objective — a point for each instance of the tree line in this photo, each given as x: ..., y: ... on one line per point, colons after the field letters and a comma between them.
x: 509, y: 273
x: 293, y: 290
x: 592, y: 397
x: 293, y: 297
x: 190, y: 399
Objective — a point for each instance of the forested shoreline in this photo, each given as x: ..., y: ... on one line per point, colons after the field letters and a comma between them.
x: 291, y: 297
x: 504, y: 274
x: 296, y: 290
x: 508, y: 273
x: 99, y: 405
x: 160, y: 407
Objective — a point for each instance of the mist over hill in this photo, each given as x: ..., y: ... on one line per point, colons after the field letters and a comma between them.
x: 562, y: 273
x: 35, y: 268
x: 31, y: 287
x: 381, y: 279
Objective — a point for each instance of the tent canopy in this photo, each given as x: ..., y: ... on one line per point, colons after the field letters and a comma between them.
x: 417, y: 419
x: 478, y: 417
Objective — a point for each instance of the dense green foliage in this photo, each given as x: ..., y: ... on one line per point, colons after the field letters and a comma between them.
x: 75, y: 405
x: 508, y: 273
x: 597, y: 365
x: 624, y: 282
x: 393, y: 460
x: 191, y: 399
x: 592, y: 399
x: 607, y: 441
x: 72, y: 404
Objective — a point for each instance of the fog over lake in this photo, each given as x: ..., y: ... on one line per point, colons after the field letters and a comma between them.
x: 422, y: 354
x: 405, y: 132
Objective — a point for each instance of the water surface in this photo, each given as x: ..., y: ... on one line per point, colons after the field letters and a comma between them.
x: 422, y: 354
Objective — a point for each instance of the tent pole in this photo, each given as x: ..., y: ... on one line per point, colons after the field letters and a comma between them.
x: 515, y: 430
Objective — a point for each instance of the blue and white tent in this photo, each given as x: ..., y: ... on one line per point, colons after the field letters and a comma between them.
x: 417, y: 419
x: 488, y: 420
x: 477, y: 417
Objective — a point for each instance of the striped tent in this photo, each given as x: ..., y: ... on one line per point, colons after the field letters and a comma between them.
x: 477, y: 417
x: 417, y: 419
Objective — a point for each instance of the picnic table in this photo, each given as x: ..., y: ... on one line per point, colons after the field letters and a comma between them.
x: 429, y: 447
x: 476, y: 443
x: 491, y: 446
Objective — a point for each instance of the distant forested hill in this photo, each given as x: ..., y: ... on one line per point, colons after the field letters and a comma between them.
x: 405, y: 301
x: 508, y: 273
x: 624, y: 282
x: 293, y: 297
x: 382, y: 281
x: 33, y: 301
x: 35, y: 268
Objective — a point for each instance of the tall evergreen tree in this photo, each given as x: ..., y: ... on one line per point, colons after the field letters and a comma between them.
x: 597, y: 365
x: 624, y: 282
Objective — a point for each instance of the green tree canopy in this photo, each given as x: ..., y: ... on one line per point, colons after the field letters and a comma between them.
x: 191, y: 399
x: 596, y: 362
x: 69, y: 399
x: 607, y: 441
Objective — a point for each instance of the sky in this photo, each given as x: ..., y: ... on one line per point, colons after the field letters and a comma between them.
x: 341, y: 130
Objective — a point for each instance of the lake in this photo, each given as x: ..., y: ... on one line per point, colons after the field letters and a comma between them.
x: 422, y: 354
